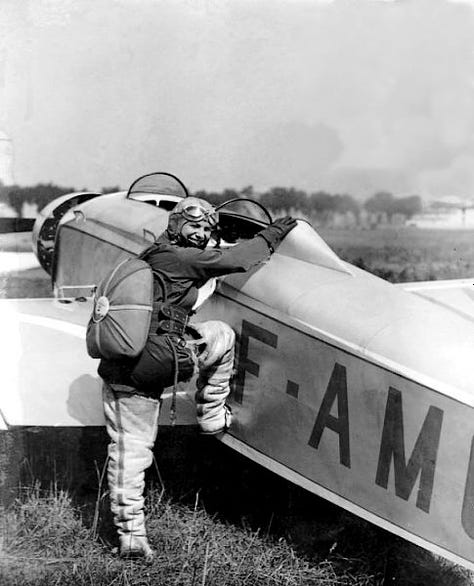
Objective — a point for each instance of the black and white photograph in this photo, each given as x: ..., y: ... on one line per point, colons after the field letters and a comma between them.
x: 236, y: 292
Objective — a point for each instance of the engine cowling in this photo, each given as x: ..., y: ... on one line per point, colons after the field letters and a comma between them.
x: 46, y: 225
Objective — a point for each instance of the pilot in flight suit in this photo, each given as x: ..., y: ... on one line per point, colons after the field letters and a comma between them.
x: 132, y: 388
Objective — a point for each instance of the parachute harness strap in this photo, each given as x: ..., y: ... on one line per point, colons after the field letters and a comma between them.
x: 161, y: 281
x: 175, y: 380
x: 160, y: 278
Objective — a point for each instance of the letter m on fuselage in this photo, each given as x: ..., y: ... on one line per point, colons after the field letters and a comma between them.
x: 422, y: 461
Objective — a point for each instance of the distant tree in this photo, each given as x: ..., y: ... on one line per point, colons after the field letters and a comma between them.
x: 110, y: 189
x: 408, y: 206
x: 283, y: 198
x: 230, y: 194
x: 248, y: 192
x: 16, y: 197
x: 216, y: 198
x: 381, y: 202
x: 40, y: 194
x: 322, y: 202
x: 385, y: 203
x: 213, y: 198
x: 346, y: 203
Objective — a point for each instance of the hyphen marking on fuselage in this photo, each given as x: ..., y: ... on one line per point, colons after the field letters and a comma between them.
x: 422, y: 461
x: 292, y: 389
x: 410, y: 442
x: 369, y: 357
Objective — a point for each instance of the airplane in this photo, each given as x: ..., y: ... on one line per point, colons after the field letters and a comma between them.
x: 356, y: 389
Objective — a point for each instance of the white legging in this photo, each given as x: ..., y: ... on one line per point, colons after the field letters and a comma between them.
x: 132, y: 424
x: 215, y: 366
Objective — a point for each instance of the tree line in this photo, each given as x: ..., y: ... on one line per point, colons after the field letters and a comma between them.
x: 41, y: 194
x: 320, y: 206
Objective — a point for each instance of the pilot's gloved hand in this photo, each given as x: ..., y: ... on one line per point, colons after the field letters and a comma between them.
x: 275, y: 233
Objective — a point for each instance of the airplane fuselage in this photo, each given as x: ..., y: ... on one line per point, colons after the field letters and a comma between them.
x: 345, y: 384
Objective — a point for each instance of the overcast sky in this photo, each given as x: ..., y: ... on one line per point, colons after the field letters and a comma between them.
x: 345, y: 95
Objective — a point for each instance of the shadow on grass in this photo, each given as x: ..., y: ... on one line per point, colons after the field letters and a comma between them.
x: 249, y: 525
x: 236, y: 490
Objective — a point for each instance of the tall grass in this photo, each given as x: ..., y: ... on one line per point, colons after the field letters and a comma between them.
x: 46, y: 542
x: 48, y: 539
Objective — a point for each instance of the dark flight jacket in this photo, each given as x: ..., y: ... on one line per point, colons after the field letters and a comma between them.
x: 183, y: 270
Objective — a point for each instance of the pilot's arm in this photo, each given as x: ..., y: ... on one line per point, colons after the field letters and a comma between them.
x: 216, y: 262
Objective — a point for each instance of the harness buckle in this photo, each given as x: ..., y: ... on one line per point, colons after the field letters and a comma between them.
x: 175, y: 320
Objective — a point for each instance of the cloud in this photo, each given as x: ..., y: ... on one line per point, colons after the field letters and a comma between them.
x: 356, y: 95
x: 457, y: 179
x: 468, y: 2
x: 365, y: 181
x: 292, y: 153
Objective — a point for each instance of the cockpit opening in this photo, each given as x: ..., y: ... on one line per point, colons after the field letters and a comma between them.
x: 241, y: 218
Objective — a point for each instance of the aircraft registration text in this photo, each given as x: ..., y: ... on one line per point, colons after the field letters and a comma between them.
x: 372, y: 437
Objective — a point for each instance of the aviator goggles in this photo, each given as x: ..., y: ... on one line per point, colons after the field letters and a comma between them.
x: 196, y: 213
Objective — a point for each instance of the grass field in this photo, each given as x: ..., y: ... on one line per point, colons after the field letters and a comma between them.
x: 241, y: 524
x: 47, y: 542
x: 214, y: 536
x: 407, y: 254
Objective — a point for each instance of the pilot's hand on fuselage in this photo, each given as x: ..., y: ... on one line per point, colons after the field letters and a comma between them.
x: 275, y: 233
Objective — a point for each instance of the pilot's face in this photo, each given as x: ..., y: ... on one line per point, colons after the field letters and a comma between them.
x: 196, y: 233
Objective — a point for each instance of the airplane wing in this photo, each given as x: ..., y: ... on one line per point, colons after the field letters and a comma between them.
x: 457, y: 295
x: 43, y: 348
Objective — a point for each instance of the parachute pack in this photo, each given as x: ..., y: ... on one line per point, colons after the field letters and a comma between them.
x: 121, y: 316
